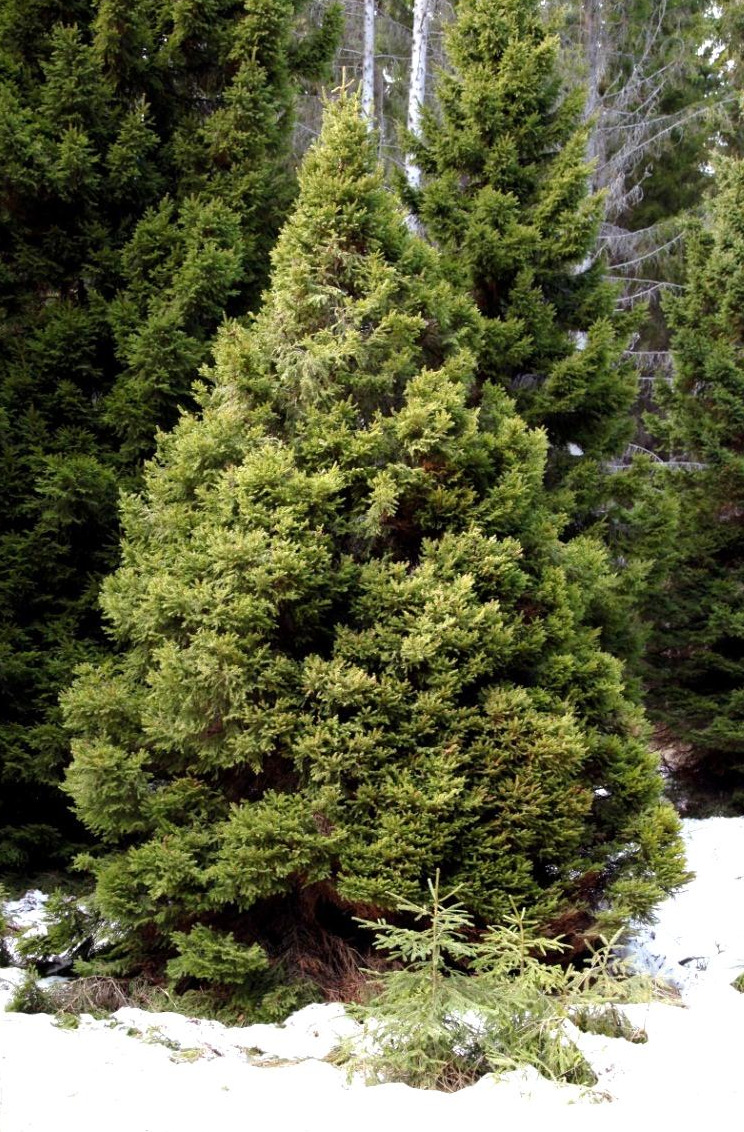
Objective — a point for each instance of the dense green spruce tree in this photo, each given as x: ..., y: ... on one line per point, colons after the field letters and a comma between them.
x: 145, y: 172
x: 696, y: 661
x: 505, y: 196
x: 351, y: 647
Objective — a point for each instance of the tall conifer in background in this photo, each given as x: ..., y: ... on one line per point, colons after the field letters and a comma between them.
x: 505, y: 196
x: 696, y: 660
x: 144, y: 148
x: 351, y: 647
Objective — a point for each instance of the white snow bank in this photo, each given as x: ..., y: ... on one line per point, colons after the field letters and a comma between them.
x: 95, y: 1077
x: 312, y: 1032
x: 145, y: 1072
x: 698, y: 940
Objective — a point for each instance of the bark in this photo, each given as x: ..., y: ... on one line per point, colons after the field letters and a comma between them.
x: 422, y: 13
x: 368, y: 61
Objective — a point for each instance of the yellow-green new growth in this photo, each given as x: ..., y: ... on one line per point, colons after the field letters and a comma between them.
x: 351, y: 645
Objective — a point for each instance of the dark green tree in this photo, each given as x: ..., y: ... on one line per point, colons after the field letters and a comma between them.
x: 730, y: 44
x: 351, y: 646
x: 696, y: 662
x: 145, y: 156
x: 505, y: 196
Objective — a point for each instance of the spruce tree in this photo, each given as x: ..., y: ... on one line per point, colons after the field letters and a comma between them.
x: 696, y: 662
x: 146, y: 171
x: 506, y: 198
x: 351, y: 646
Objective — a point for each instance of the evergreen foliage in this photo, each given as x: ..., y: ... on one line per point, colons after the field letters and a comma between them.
x: 351, y: 647
x: 506, y: 198
x: 458, y: 1007
x: 30, y: 998
x: 145, y: 155
x: 696, y: 665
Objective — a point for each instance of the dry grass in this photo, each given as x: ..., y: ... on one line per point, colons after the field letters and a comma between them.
x: 332, y: 964
x: 101, y: 994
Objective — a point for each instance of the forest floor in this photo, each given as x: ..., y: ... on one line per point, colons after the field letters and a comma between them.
x: 145, y: 1072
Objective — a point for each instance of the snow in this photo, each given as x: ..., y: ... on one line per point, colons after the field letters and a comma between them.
x: 27, y: 917
x: 698, y: 942
x: 147, y: 1072
x: 10, y: 978
x: 312, y: 1032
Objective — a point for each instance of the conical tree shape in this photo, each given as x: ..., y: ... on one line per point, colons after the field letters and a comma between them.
x: 697, y: 656
x: 505, y: 196
x: 145, y: 155
x: 352, y: 648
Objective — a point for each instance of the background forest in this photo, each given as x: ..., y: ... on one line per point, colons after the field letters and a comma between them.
x: 372, y: 463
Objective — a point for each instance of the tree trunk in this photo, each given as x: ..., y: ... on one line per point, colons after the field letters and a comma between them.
x: 368, y: 63
x: 422, y: 13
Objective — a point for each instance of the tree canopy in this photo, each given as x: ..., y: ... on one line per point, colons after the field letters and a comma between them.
x: 506, y: 197
x: 351, y: 647
x: 696, y: 664
x: 145, y: 150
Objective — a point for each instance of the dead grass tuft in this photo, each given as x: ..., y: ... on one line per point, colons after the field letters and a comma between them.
x: 332, y: 964
x: 100, y: 994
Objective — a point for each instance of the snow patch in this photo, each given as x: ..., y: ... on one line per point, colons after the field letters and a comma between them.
x: 697, y: 941
x: 310, y: 1033
x: 688, y: 1071
x: 26, y: 917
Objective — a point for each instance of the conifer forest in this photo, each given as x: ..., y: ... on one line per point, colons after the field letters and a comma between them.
x: 372, y: 509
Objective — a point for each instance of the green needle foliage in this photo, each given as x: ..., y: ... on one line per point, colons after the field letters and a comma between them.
x: 457, y: 1006
x: 505, y: 196
x: 351, y: 646
x: 145, y: 155
x: 697, y: 658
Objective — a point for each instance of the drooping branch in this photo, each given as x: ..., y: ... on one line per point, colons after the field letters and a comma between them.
x: 635, y: 74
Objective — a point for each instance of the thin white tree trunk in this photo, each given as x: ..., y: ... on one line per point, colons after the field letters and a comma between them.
x: 368, y: 61
x: 422, y: 13
x: 594, y: 50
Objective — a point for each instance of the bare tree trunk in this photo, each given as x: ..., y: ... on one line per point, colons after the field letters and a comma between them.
x: 591, y: 19
x: 422, y: 13
x: 593, y: 46
x: 368, y: 61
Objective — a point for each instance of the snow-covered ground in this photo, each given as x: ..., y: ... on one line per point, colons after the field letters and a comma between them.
x: 144, y: 1072
x: 27, y: 916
